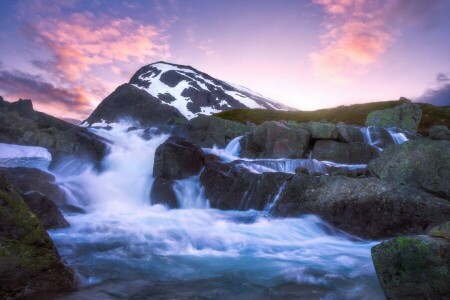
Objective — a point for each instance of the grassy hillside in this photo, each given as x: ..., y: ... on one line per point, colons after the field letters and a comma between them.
x: 352, y: 114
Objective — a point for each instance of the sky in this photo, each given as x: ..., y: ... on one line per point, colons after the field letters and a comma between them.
x: 68, y: 55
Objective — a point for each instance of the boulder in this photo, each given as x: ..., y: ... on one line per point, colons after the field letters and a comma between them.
x: 366, y: 207
x: 323, y: 131
x: 439, y: 132
x: 29, y: 262
x: 229, y: 186
x: 207, y: 131
x: 406, y: 116
x: 414, y: 267
x: 177, y: 158
x: 441, y: 231
x: 349, y: 133
x: 162, y: 192
x: 34, y: 180
x: 351, y: 153
x: 130, y: 102
x: 421, y: 163
x: 46, y: 210
x: 276, y: 140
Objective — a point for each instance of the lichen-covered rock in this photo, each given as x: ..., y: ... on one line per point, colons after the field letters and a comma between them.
x: 415, y: 267
x: 439, y: 132
x: 421, y: 163
x: 46, y: 210
x: 405, y: 116
x: 207, y: 131
x: 345, y: 153
x: 323, y: 131
x: 29, y: 262
x: 441, y: 231
x: 349, y: 133
x: 276, y: 140
x: 367, y: 207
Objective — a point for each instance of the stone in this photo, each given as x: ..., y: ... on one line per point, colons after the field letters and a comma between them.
x: 29, y: 262
x: 349, y: 133
x: 441, y: 231
x: 420, y: 163
x: 344, y: 153
x: 323, y: 131
x: 276, y: 140
x: 162, y: 192
x: 439, y: 132
x: 414, y: 267
x: 46, y: 210
x: 406, y: 116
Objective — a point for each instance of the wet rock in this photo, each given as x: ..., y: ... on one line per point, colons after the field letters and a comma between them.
x: 421, y: 163
x: 367, y: 207
x: 323, y: 131
x: 439, y: 132
x: 228, y: 186
x: 34, y: 180
x: 177, y: 158
x: 29, y: 262
x: 345, y: 153
x: 162, y: 192
x: 207, y: 131
x: 145, y: 109
x: 413, y: 267
x: 46, y: 210
x: 405, y: 116
x: 276, y: 140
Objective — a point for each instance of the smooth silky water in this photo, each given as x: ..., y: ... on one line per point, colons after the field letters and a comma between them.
x: 123, y: 247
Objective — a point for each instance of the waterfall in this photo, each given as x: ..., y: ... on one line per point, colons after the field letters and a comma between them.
x: 270, y: 205
x: 397, y: 137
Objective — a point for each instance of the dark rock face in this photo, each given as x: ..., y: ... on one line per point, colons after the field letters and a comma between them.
x: 207, y: 131
x: 349, y: 133
x: 34, y: 180
x: 351, y: 153
x: 29, y: 262
x: 130, y: 102
x: 46, y: 210
x: 276, y: 140
x: 20, y: 124
x: 228, y: 186
x: 175, y: 159
x: 406, y: 116
x: 414, y: 267
x: 367, y: 207
x: 439, y: 132
x: 421, y: 163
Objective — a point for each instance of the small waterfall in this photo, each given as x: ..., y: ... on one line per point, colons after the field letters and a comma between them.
x: 230, y: 153
x: 397, y: 136
x: 373, y: 136
x: 269, y: 206
x: 190, y: 193
x: 234, y: 146
x: 283, y: 165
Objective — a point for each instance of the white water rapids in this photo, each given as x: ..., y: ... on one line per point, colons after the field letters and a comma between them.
x: 123, y: 247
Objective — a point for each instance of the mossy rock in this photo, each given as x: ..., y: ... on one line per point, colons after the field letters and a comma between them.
x: 406, y: 116
x: 323, y: 131
x: 413, y: 267
x: 29, y: 262
x: 441, y: 231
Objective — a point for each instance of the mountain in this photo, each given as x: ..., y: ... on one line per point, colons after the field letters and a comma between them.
x: 193, y: 92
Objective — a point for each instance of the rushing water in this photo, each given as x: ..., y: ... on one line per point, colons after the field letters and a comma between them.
x: 123, y: 247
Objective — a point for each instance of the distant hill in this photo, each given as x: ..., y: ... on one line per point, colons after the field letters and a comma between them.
x: 352, y: 114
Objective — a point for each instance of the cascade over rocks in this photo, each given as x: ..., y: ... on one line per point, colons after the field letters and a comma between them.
x: 130, y: 102
x: 367, y: 207
x: 413, y: 267
x: 29, y: 262
x: 207, y: 131
x: 405, y: 116
x: 229, y: 186
x: 345, y: 153
x: 175, y: 159
x: 421, y: 163
x: 21, y: 124
x: 276, y: 140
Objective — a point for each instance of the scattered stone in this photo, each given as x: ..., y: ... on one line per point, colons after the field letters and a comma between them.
x: 344, y: 153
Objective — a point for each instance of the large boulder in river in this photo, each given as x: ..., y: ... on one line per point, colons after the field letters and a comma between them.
x: 29, y: 262
x: 406, y: 116
x: 439, y: 132
x: 367, y: 207
x: 344, y: 153
x: 128, y: 102
x: 207, y: 131
x: 414, y: 267
x: 323, y: 131
x: 276, y: 140
x: 46, y: 210
x: 421, y: 163
x: 175, y: 159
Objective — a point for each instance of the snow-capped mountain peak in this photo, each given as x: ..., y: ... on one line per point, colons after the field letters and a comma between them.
x: 193, y: 92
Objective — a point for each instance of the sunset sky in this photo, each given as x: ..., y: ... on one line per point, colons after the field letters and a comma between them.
x: 68, y: 55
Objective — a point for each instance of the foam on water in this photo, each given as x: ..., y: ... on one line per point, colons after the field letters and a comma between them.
x: 124, y: 247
